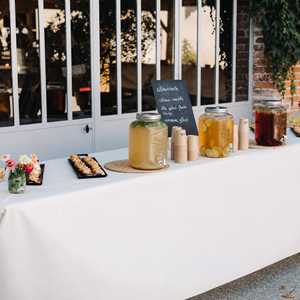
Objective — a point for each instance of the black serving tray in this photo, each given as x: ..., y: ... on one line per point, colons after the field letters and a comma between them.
x: 84, y: 176
x: 29, y: 182
x: 295, y: 133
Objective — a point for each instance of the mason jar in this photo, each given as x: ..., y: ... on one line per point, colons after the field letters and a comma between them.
x: 148, y: 142
x: 270, y: 123
x: 216, y: 132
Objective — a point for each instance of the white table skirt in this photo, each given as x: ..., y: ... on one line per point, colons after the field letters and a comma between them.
x: 165, y: 236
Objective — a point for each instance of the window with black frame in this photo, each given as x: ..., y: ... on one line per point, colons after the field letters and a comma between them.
x: 204, y: 50
x: 6, y: 100
x: 189, y: 47
x: 28, y: 61
x: 56, y: 60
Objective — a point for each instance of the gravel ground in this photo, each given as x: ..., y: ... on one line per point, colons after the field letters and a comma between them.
x: 277, y: 282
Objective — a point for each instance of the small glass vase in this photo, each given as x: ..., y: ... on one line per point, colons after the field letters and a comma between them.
x: 17, y: 182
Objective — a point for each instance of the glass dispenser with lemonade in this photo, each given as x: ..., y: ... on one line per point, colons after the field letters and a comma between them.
x: 148, y: 142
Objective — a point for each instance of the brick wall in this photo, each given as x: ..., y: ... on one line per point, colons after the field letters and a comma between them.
x: 262, y: 83
x: 263, y: 86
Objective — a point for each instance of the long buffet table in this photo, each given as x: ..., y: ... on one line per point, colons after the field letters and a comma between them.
x: 163, y: 236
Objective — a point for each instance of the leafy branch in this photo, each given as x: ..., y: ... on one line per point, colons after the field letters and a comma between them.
x: 280, y: 23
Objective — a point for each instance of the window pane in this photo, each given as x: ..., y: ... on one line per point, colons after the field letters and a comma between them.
x: 108, y: 56
x: 242, y: 54
x: 6, y: 102
x: 189, y: 19
x: 167, y: 39
x: 148, y: 53
x: 129, y: 56
x: 225, y: 59
x: 28, y: 59
x: 56, y: 60
x: 207, y: 52
x: 81, y: 59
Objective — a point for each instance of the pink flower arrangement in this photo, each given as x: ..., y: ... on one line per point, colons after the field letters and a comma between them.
x: 11, y: 164
x: 25, y: 164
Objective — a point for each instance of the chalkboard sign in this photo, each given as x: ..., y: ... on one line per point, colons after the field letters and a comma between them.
x: 174, y: 104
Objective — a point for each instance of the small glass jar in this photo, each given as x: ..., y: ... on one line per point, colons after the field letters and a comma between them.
x: 216, y: 132
x: 148, y: 142
x: 270, y: 123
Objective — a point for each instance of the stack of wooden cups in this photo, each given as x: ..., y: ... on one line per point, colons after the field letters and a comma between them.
x: 241, y: 135
x: 183, y: 147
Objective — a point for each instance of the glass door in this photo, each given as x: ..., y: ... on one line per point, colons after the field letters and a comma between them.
x: 45, y: 76
x: 138, y: 41
x: 74, y: 73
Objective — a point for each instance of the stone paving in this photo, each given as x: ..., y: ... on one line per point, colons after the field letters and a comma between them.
x: 277, y: 282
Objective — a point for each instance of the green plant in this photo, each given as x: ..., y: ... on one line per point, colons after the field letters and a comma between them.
x: 280, y: 22
x: 189, y: 56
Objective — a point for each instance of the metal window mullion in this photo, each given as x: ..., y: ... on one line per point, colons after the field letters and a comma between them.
x: 42, y: 60
x: 158, y: 40
x: 14, y: 62
x: 199, y: 73
x: 234, y: 49
x: 69, y: 58
x: 119, y: 53
x: 95, y: 67
x: 217, y: 69
x: 179, y: 39
x: 178, y: 64
x: 139, y: 53
x: 95, y: 58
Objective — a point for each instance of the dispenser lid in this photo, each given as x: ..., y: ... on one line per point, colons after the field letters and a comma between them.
x: 148, y: 117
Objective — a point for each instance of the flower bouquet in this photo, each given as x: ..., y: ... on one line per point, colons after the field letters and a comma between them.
x: 18, y: 170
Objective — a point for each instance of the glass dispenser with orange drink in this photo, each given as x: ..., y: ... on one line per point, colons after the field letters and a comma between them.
x: 148, y: 142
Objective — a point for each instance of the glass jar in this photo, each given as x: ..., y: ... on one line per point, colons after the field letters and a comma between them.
x: 148, y: 142
x: 270, y: 123
x: 216, y: 132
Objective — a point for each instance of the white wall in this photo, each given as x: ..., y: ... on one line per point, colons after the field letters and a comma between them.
x: 47, y: 143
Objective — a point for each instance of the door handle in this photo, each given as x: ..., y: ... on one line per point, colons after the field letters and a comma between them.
x: 87, y: 129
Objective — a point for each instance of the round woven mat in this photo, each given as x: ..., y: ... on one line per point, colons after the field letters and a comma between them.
x: 122, y: 166
x: 253, y: 145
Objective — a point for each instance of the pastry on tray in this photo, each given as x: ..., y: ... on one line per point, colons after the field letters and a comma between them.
x: 35, y: 175
x: 80, y: 165
x: 2, y: 174
x: 94, y: 166
x: 87, y: 166
x: 297, y: 129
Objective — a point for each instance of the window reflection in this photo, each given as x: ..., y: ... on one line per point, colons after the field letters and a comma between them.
x: 207, y: 50
x: 108, y: 57
x: 129, y: 56
x: 81, y: 59
x: 189, y: 19
x: 56, y: 60
x: 167, y: 15
x: 225, y: 58
x: 28, y: 61
x: 6, y: 103
x: 148, y: 53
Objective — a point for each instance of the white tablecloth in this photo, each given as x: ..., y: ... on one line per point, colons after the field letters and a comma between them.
x: 165, y: 236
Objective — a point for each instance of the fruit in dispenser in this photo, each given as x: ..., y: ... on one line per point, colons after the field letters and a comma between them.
x: 215, y: 135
